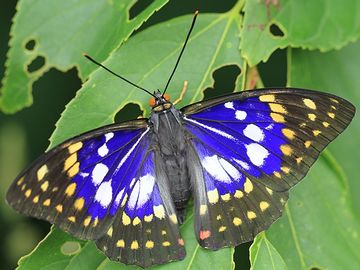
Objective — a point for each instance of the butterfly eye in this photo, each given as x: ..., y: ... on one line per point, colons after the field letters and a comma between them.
x: 152, y: 102
x: 167, y: 97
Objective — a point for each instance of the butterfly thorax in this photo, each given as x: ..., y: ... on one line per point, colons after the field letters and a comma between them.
x: 170, y: 140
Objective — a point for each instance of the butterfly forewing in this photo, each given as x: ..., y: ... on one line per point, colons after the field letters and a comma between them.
x: 251, y: 148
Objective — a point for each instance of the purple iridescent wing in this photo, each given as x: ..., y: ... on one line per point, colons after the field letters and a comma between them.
x: 104, y: 186
x: 248, y: 149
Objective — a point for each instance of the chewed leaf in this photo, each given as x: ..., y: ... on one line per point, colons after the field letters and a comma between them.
x: 274, y: 24
x: 61, y: 38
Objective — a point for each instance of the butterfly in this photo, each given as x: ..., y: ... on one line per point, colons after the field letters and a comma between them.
x: 126, y: 186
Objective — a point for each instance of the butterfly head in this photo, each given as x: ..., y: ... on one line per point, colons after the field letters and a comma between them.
x: 160, y: 102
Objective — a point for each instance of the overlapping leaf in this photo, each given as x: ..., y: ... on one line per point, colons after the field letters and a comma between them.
x: 62, y: 31
x: 321, y: 24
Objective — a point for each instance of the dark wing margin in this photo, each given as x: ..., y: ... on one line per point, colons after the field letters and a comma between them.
x: 247, y: 150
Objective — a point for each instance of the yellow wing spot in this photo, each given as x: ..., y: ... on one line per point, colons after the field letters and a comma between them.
x: 307, y: 144
x: 70, y: 190
x: 334, y: 100
x: 149, y: 244
x: 44, y: 186
x: 248, y: 186
x: 285, y: 169
x: 120, y: 243
x: 203, y: 209
x: 277, y: 117
x: 299, y: 159
x: 79, y: 203
x: 28, y: 193
x: 213, y: 196
x: 282, y: 201
x: 36, y: 199
x: 74, y: 170
x: 309, y: 103
x: 251, y: 215
x: 75, y: 147
x: 20, y: 181
x: 163, y: 232
x: 237, y: 221
x: 302, y: 125
x: 277, y: 108
x: 173, y: 218
x: 316, y: 132
x: 148, y: 218
x: 124, y: 200
x: 277, y: 174
x: 136, y: 221
x: 269, y: 190
x: 238, y: 194
x: 225, y: 197
x: 55, y: 189
x: 59, y: 208
x: 331, y: 115
x: 325, y: 124
x: 70, y: 161
x: 41, y: 172
x: 87, y: 221
x: 47, y: 202
x: 96, y: 221
x: 312, y: 116
x: 264, y: 205
x: 267, y: 98
x: 134, y: 245
x: 286, y: 149
x: 222, y: 228
x: 110, y: 231
x: 159, y: 211
x: 72, y: 219
x: 23, y: 187
x: 218, y: 217
x: 166, y: 244
x: 333, y: 107
x: 126, y: 219
x: 288, y: 133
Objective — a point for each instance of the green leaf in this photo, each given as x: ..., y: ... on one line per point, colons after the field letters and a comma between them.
x: 320, y: 227
x: 62, y: 31
x: 321, y: 24
x: 264, y: 255
x: 147, y: 59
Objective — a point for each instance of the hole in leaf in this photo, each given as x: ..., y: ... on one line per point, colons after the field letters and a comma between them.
x: 273, y: 72
x: 138, y: 7
x: 70, y: 248
x: 130, y: 111
x: 241, y: 256
x: 224, y: 81
x: 36, y: 64
x: 275, y: 30
x: 315, y: 268
x: 30, y: 45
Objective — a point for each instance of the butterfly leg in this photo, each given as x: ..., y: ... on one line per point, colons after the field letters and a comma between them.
x: 182, y: 93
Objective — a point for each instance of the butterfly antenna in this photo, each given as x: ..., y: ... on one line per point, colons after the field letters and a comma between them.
x: 117, y: 75
x: 182, y: 50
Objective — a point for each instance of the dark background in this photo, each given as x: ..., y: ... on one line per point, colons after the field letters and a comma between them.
x: 24, y: 136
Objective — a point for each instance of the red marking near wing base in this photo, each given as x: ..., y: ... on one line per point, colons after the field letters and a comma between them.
x: 181, y: 242
x: 204, y: 234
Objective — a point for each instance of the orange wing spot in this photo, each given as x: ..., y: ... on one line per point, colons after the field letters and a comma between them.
x: 181, y: 242
x: 152, y: 102
x: 167, y: 97
x: 204, y: 234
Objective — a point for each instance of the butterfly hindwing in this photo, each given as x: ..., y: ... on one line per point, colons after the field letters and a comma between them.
x: 251, y: 148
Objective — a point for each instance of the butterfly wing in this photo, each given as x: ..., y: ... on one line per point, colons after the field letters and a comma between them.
x: 248, y: 149
x: 104, y: 185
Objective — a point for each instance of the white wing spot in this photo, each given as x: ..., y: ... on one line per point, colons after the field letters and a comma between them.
x: 103, y: 150
x: 254, y: 132
x: 230, y: 169
x: 104, y: 194
x: 242, y: 164
x: 229, y: 105
x: 240, y: 115
x: 109, y: 136
x: 256, y: 153
x: 142, y: 191
x: 119, y: 197
x: 99, y: 173
x: 214, y: 168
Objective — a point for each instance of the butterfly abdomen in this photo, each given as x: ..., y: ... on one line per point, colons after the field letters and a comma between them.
x: 172, y: 146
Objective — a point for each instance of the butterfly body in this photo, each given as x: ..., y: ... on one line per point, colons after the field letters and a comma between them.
x: 126, y: 185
